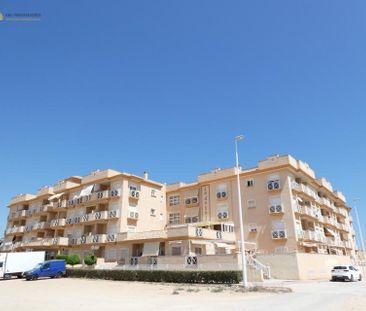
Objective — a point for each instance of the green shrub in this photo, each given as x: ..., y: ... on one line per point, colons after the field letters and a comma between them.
x: 207, y: 277
x: 73, y: 259
x: 90, y: 260
x: 62, y: 256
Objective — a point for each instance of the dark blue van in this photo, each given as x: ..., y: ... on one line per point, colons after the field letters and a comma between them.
x: 47, y: 269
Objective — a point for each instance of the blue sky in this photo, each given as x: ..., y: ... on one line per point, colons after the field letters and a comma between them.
x: 164, y: 86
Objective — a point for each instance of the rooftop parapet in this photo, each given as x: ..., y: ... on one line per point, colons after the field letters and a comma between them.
x: 216, y: 174
x: 44, y: 191
x: 22, y: 197
x: 98, y: 175
x: 322, y: 182
x: 277, y: 160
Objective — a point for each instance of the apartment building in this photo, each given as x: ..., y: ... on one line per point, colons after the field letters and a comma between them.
x: 131, y: 220
x: 286, y: 208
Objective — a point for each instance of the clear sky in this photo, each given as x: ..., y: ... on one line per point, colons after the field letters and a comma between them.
x: 164, y: 86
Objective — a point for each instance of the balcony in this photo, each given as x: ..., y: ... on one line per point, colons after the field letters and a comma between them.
x: 181, y: 232
x: 18, y: 214
x: 94, y: 197
x: 46, y: 242
x: 45, y: 208
x: 59, y: 205
x: 40, y: 226
x: 55, y: 223
x: 15, y: 230
x: 305, y: 189
x: 99, y: 216
x: 96, y: 239
x: 307, y: 210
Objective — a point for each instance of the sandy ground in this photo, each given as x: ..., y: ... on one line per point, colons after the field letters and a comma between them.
x: 80, y: 294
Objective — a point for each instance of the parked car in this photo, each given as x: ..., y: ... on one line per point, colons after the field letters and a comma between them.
x: 349, y: 273
x: 49, y: 268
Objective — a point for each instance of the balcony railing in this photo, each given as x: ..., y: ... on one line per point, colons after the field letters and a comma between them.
x: 59, y: 205
x: 41, y: 225
x: 95, y: 196
x: 58, y: 241
x: 18, y: 214
x: 16, y: 229
x: 61, y: 222
x: 96, y: 238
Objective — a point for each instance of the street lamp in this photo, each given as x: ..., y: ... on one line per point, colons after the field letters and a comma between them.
x: 359, y: 228
x: 242, y: 245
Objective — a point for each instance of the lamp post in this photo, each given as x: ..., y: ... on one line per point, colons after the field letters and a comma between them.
x: 242, y: 244
x: 359, y: 227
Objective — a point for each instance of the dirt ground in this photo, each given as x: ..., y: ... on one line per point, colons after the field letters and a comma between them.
x: 82, y: 294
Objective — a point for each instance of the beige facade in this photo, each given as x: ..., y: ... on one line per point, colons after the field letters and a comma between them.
x: 131, y: 220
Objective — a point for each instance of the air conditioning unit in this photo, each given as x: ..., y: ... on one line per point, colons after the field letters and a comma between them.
x: 114, y: 193
x: 194, y: 200
x: 282, y: 234
x: 253, y: 229
x: 134, y: 215
x: 188, y: 201
x: 279, y: 208
x: 219, y: 215
x: 273, y: 185
x: 225, y: 215
x: 272, y: 209
x: 221, y: 195
x: 134, y: 194
x: 275, y: 234
x: 113, y: 214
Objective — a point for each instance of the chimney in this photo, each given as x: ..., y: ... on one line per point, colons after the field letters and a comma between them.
x: 146, y: 175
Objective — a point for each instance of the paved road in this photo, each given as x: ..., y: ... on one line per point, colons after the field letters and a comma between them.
x: 92, y: 295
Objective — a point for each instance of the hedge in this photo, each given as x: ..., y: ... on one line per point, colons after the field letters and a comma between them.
x: 207, y: 277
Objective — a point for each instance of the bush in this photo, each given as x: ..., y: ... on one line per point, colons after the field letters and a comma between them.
x: 63, y: 257
x: 90, y: 259
x: 207, y: 277
x: 73, y: 259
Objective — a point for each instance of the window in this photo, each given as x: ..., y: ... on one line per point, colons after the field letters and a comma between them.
x: 176, y: 250
x: 153, y: 193
x: 174, y: 218
x: 174, y: 200
x: 46, y: 266
x: 131, y: 228
x: 153, y: 212
x: 253, y: 227
x: 198, y: 250
x: 250, y: 182
x: 251, y: 203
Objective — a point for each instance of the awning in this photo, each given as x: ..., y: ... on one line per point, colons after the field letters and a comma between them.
x: 309, y: 244
x: 151, y: 249
x: 191, y: 212
x: 175, y: 242
x: 331, y: 232
x: 224, y: 245
x: 198, y: 242
x: 55, y: 196
x: 86, y: 190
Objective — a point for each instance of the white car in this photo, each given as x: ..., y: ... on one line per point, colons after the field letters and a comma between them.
x: 349, y: 273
